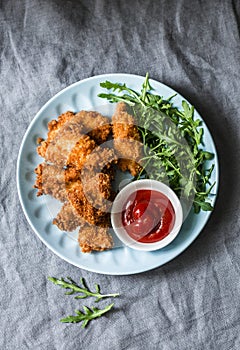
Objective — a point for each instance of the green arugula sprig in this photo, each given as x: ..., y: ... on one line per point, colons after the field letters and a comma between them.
x: 173, y: 151
x: 86, y: 317
x: 88, y: 313
x: 84, y: 290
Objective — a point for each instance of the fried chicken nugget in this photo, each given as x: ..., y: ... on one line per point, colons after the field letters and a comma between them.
x: 97, y: 175
x: 89, y: 237
x: 127, y: 141
x: 100, y: 160
x: 94, y: 238
x: 93, y: 163
x: 51, y: 180
x: 67, y: 146
x: 84, y: 208
x: 65, y: 132
x: 53, y: 127
x: 59, y: 148
x: 78, y: 154
x: 95, y: 125
x: 68, y: 219
x: 98, y: 191
x: 91, y: 194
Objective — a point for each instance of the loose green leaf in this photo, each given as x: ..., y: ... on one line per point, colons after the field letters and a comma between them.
x: 82, y: 289
x: 86, y: 316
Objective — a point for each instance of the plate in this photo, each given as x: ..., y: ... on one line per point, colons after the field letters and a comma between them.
x: 121, y: 260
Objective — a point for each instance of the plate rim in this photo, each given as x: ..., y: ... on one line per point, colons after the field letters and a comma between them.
x: 59, y: 254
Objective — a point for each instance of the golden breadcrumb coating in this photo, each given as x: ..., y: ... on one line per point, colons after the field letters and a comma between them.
x: 68, y: 219
x: 124, y: 126
x: 100, y: 160
x: 121, y: 107
x: 79, y: 173
x: 51, y: 180
x: 78, y: 154
x: 94, y: 238
x: 84, y: 208
x: 127, y: 141
x: 98, y: 191
x: 58, y: 149
x: 72, y: 174
x: 97, y: 175
x: 95, y: 125
x: 53, y: 127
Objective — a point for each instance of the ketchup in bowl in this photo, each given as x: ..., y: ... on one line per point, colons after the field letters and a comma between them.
x: 148, y: 216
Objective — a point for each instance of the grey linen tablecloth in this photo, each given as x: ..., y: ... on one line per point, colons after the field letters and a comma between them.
x: 193, y: 302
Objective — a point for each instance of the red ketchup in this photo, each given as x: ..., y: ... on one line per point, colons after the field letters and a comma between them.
x: 148, y: 216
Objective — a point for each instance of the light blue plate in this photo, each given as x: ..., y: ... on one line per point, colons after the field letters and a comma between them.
x: 39, y: 211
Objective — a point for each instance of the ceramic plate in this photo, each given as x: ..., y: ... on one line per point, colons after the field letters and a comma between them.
x: 39, y: 211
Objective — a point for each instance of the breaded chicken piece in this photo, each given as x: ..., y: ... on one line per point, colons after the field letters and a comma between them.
x: 84, y: 208
x: 127, y: 141
x: 53, y: 127
x: 94, y: 238
x: 51, y: 180
x: 97, y: 175
x: 130, y: 154
x: 98, y: 191
x: 95, y: 125
x: 89, y: 237
x: 78, y: 154
x: 121, y: 107
x: 93, y: 165
x: 75, y: 157
x: 68, y: 219
x: 124, y: 125
x: 59, y: 148
x: 65, y: 132
x: 100, y: 160
x: 72, y: 174
x: 91, y: 201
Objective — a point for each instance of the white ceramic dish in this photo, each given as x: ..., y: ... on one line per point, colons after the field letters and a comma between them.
x: 117, y: 208
x: 38, y: 210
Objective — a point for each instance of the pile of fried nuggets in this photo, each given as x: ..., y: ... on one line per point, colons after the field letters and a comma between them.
x: 80, y: 155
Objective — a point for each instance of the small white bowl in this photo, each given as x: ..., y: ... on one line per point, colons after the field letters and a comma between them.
x: 119, y: 202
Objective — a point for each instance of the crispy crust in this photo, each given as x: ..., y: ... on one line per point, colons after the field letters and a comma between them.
x: 98, y: 191
x: 78, y: 155
x: 127, y: 141
x: 97, y: 175
x: 95, y: 125
x: 67, y: 219
x: 51, y: 180
x: 94, y: 238
x: 85, y: 122
x: 100, y: 160
x: 84, y: 208
x: 53, y: 127
x: 72, y: 174
x: 78, y: 172
x: 58, y: 149
x: 124, y: 126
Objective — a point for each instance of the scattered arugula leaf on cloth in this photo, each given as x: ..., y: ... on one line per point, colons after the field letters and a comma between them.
x: 86, y: 317
x: 172, y: 139
x: 85, y: 292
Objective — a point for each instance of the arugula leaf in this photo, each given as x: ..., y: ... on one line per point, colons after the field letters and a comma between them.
x: 86, y: 317
x: 84, y: 290
x: 172, y: 139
